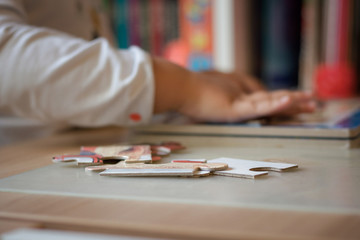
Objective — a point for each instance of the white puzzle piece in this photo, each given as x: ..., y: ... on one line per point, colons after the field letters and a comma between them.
x: 128, y: 172
x: 249, y: 168
x: 125, y: 172
x: 165, y: 169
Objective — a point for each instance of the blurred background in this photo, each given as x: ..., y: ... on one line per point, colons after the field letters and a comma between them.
x: 288, y: 44
x: 298, y: 44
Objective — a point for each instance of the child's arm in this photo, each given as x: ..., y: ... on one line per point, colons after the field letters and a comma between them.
x: 215, y: 96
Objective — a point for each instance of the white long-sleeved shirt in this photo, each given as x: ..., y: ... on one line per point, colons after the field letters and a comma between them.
x: 51, y: 70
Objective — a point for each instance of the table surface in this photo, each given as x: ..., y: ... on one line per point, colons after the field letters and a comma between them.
x: 320, y: 200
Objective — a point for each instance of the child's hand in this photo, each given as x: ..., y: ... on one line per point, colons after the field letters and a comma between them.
x: 215, y: 96
x: 231, y: 98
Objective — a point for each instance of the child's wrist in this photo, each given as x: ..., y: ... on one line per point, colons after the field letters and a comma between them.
x: 172, y: 85
x: 191, y: 91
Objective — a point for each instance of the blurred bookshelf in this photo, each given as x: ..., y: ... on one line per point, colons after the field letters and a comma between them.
x: 298, y: 44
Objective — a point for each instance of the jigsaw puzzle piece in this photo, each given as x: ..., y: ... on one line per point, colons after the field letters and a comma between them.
x: 129, y: 153
x: 103, y: 167
x: 128, y: 172
x: 249, y: 168
x: 164, y: 148
x: 166, y: 169
x: 80, y: 159
x: 160, y: 150
x: 97, y: 155
x: 189, y: 160
x: 156, y: 173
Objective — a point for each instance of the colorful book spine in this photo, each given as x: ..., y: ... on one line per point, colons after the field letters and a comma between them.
x: 281, y: 43
x: 355, y: 41
x: 175, y: 49
x: 144, y: 25
x: 335, y: 75
x: 224, y: 47
x: 309, y: 56
x: 120, y: 18
x: 196, y: 31
x: 171, y: 20
x: 134, y: 22
x: 156, y: 26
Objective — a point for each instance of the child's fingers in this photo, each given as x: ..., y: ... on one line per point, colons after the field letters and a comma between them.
x: 297, y: 96
x: 302, y: 102
x: 265, y: 104
x: 253, y: 107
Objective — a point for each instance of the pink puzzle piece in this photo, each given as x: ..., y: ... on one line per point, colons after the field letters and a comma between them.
x: 98, y: 155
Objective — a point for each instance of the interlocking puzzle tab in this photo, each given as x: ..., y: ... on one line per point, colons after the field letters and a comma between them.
x: 249, y: 168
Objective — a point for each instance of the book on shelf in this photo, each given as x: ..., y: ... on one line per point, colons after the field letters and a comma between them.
x: 316, y: 42
x: 305, y: 44
x: 179, y: 30
x: 310, y: 43
x: 330, y: 48
x: 280, y: 31
x: 120, y: 20
x: 195, y: 35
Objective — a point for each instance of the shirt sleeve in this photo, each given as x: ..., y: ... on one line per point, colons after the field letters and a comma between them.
x: 58, y: 78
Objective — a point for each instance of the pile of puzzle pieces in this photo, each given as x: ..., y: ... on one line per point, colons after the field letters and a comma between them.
x: 140, y: 160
